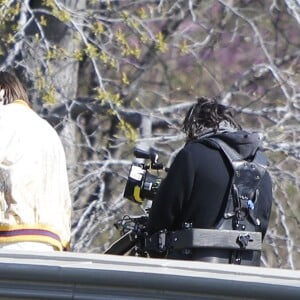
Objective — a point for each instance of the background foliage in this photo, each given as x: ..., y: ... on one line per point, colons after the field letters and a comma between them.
x: 110, y: 75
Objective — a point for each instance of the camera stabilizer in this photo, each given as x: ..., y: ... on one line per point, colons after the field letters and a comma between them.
x: 135, y: 240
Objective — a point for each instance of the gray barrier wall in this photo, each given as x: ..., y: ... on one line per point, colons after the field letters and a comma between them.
x: 99, y: 276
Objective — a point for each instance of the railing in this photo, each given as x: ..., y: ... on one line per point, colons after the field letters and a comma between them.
x: 101, y: 276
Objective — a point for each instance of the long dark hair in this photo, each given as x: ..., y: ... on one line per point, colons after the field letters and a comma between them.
x: 206, y: 114
x: 13, y: 88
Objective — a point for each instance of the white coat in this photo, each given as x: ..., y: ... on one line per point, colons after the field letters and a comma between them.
x: 35, y: 204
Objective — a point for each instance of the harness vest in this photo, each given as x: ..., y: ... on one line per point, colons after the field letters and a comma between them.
x: 236, y: 237
x: 240, y: 212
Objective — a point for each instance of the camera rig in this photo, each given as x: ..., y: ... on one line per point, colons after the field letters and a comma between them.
x: 135, y: 240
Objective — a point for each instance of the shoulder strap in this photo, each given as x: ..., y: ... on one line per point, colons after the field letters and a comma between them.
x: 259, y: 159
x: 231, y: 154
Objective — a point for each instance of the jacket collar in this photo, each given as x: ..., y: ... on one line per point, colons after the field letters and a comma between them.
x: 21, y: 102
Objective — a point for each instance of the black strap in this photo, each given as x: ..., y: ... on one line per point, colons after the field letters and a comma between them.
x: 232, y: 155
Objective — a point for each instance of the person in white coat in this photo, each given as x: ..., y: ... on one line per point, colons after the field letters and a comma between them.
x: 35, y: 202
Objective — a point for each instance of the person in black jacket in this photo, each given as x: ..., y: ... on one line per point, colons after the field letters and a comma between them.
x: 198, y: 183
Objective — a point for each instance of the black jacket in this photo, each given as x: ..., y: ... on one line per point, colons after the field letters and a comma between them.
x: 197, y: 184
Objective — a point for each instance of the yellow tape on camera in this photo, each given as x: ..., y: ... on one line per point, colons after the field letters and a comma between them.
x: 137, y: 193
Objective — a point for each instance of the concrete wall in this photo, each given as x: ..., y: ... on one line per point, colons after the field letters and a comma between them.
x: 100, y: 276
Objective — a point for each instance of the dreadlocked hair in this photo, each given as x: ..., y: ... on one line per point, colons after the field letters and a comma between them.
x: 206, y: 114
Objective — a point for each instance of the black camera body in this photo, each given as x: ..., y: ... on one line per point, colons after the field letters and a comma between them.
x: 142, y: 183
